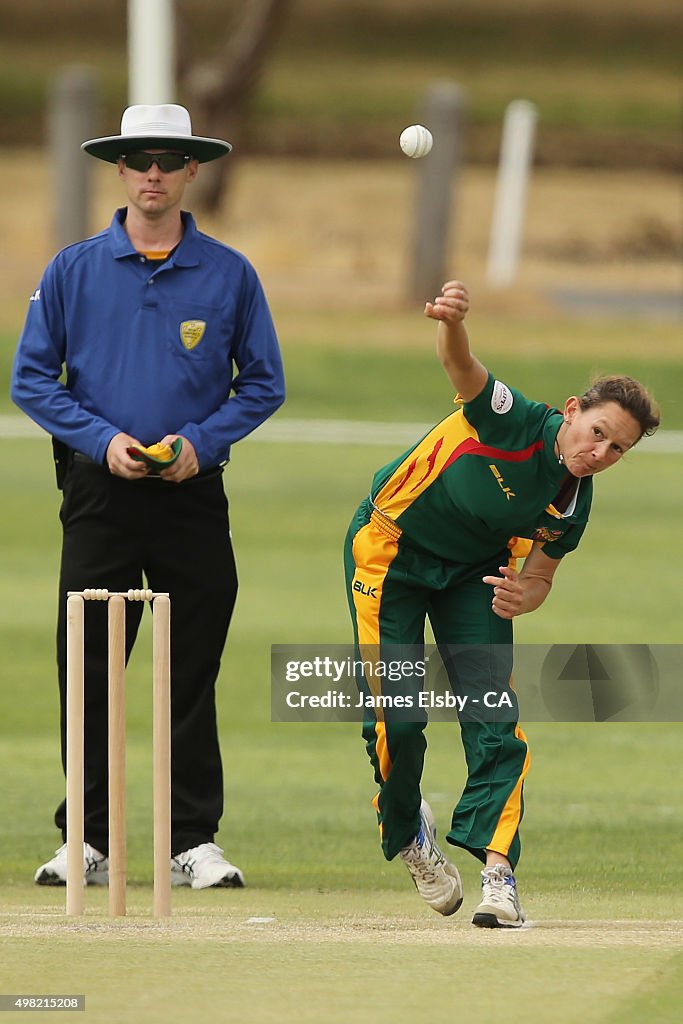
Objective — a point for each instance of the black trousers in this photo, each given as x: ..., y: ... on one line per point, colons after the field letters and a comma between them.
x: 116, y: 535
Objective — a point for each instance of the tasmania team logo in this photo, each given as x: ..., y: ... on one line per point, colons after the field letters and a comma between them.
x: 192, y: 332
x: 548, y: 535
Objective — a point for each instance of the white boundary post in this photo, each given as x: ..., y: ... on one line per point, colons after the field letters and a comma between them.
x: 151, y: 51
x: 519, y: 127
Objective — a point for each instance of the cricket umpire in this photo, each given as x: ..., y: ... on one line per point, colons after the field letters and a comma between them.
x: 150, y: 334
x: 438, y: 538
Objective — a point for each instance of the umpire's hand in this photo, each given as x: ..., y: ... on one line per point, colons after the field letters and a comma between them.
x: 120, y: 462
x: 185, y: 466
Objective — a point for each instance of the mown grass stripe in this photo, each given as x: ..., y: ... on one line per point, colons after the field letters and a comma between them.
x: 363, y: 432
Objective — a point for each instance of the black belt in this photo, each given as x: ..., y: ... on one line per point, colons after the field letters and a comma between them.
x: 80, y: 457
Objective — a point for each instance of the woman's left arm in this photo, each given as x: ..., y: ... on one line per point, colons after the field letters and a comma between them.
x: 517, y: 593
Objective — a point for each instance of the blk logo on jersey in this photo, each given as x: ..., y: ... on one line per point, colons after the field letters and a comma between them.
x: 363, y: 588
x: 192, y: 332
x: 507, y: 491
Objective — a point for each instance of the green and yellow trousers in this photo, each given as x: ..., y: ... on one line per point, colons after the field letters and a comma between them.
x: 393, y: 588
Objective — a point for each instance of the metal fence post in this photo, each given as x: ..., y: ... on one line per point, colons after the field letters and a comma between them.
x: 72, y: 116
x: 437, y: 178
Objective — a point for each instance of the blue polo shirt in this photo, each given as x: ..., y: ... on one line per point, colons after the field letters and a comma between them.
x: 115, y: 343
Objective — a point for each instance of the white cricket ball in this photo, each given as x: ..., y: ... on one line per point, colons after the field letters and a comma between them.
x: 416, y: 141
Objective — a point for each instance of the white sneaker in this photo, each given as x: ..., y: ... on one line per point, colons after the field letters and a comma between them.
x: 205, y: 867
x: 435, y: 878
x: 499, y: 907
x: 95, y: 868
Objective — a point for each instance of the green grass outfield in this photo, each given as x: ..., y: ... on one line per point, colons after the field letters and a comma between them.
x: 345, y: 936
x: 379, y: 365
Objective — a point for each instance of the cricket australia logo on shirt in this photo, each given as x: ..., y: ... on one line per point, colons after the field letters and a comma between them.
x: 192, y: 332
x: 501, y: 398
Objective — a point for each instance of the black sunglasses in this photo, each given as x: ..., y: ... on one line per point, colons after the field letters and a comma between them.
x: 166, y: 162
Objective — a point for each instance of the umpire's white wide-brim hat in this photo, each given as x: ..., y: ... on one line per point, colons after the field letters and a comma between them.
x: 164, y: 125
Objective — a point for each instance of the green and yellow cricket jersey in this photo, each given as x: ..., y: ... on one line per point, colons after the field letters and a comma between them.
x: 486, y: 474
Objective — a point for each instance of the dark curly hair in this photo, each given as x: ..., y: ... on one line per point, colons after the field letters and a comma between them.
x: 630, y: 394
